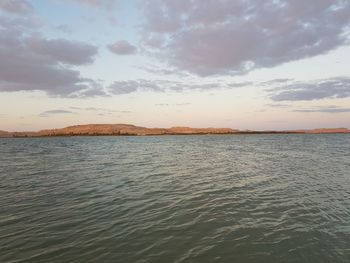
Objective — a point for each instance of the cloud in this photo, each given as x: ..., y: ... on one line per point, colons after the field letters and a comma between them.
x: 276, y: 105
x: 18, y: 7
x: 163, y: 71
x: 105, y: 110
x: 62, y: 50
x: 239, y: 84
x: 96, y: 3
x: 275, y: 81
x: 122, y: 47
x: 314, y: 90
x: 93, y: 89
x: 50, y: 113
x: 173, y: 104
x: 63, y: 28
x: 324, y: 109
x: 123, y: 87
x: 235, y: 37
x: 321, y: 109
x: 19, y: 24
x: 29, y: 61
x: 183, y: 104
x: 129, y: 86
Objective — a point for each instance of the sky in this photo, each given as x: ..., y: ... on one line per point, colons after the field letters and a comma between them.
x: 245, y: 64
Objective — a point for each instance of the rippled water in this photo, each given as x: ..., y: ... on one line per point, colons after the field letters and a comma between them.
x: 243, y: 198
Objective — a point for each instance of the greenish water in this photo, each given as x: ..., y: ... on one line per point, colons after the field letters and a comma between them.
x: 243, y: 198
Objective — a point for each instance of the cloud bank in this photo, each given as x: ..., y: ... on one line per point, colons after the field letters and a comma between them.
x: 192, y: 36
x: 29, y: 61
x: 235, y: 37
x: 129, y: 86
x: 314, y: 90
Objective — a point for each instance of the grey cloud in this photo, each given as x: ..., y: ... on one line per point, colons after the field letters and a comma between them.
x: 163, y: 71
x: 87, y: 108
x: 62, y: 50
x: 55, y: 112
x: 275, y: 81
x: 64, y: 29
x: 17, y: 25
x: 153, y: 40
x: 31, y: 62
x: 122, y: 47
x: 239, y: 84
x: 123, y: 87
x: 129, y: 86
x: 327, y: 109
x: 165, y: 16
x: 16, y: 6
x: 105, y: 114
x: 96, y: 3
x: 93, y: 90
x: 276, y: 105
x: 100, y: 110
x: 235, y: 37
x: 314, y: 90
x: 204, y: 86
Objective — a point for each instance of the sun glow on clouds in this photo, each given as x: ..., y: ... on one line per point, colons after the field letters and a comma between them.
x: 222, y: 63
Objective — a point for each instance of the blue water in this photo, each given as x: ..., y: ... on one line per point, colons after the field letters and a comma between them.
x: 240, y: 198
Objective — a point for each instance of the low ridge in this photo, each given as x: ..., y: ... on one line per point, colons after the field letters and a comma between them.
x: 128, y: 129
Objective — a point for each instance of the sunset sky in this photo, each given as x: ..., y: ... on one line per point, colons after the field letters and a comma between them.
x: 245, y: 64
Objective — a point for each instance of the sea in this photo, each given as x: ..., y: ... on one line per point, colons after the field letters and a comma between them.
x: 201, y: 198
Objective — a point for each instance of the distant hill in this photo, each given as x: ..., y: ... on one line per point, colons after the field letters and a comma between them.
x: 318, y: 131
x: 5, y: 134
x: 120, y: 129
x: 128, y: 129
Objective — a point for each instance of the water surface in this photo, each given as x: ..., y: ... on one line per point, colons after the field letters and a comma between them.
x: 241, y: 198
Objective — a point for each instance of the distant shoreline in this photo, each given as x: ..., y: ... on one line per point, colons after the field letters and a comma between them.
x: 132, y: 130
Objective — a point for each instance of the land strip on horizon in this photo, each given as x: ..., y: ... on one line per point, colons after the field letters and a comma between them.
x: 132, y: 130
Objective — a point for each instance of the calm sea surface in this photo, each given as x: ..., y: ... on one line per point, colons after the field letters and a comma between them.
x: 243, y: 198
